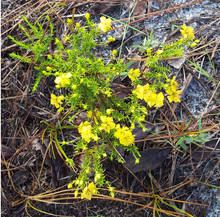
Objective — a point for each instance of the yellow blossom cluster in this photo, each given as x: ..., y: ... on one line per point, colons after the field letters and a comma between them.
x: 56, y: 100
x: 63, y: 80
x: 194, y: 43
x: 172, y: 91
x: 187, y: 32
x: 89, y: 191
x: 107, y: 123
x: 124, y: 135
x: 85, y: 129
x: 134, y: 74
x: 150, y: 97
x: 105, y: 24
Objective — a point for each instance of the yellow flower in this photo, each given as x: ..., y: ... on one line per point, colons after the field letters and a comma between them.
x: 114, y: 52
x: 174, y: 84
x: 77, y: 25
x: 174, y: 95
x: 149, y: 51
x: 76, y: 193
x: 111, y: 39
x: 193, y: 44
x: 73, y: 86
x: 107, y: 123
x: 69, y: 21
x: 124, y: 135
x: 105, y: 24
x: 159, y: 100
x: 139, y: 92
x: 159, y: 52
x: 70, y: 185
x: 137, y: 160
x: 85, y: 129
x: 56, y: 100
x: 134, y: 74
x: 57, y: 40
x: 63, y: 80
x: 97, y: 176
x: 197, y: 41
x: 187, y: 32
x: 109, y: 111
x: 151, y: 98
x: 88, y: 191
x: 48, y: 68
x: 87, y: 16
x: 128, y: 138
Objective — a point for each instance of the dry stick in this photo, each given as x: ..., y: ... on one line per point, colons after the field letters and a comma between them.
x: 183, y: 103
x: 20, y: 13
x: 210, y: 100
x: 163, y: 11
x: 21, y: 19
x: 137, y: 179
x: 3, y: 69
x: 214, y: 50
x: 205, y: 182
x: 14, y: 105
x: 207, y: 26
x: 196, y: 77
x: 24, y: 120
x: 39, y: 134
x: 56, y: 14
x: 204, y: 46
x: 45, y: 154
x: 18, y: 94
x: 16, y: 9
x: 172, y: 169
x: 13, y: 68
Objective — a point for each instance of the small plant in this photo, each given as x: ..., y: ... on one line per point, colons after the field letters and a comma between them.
x: 86, y: 84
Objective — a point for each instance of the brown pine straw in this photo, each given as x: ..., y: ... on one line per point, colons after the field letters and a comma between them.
x: 20, y: 13
x: 42, y: 198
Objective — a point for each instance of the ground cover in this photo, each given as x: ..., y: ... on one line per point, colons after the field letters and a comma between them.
x: 178, y: 172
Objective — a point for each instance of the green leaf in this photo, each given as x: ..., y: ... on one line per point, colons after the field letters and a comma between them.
x: 130, y: 63
x: 180, y: 141
x: 200, y: 124
x: 202, y: 71
x: 188, y: 140
x: 151, y: 34
x: 184, y: 146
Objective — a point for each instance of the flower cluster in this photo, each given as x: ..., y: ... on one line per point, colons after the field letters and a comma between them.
x: 107, y: 123
x: 63, y: 80
x: 172, y: 91
x: 124, y: 135
x: 85, y: 129
x: 134, y: 74
x: 149, y: 96
x: 90, y: 89
x: 187, y: 32
x: 194, y: 43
